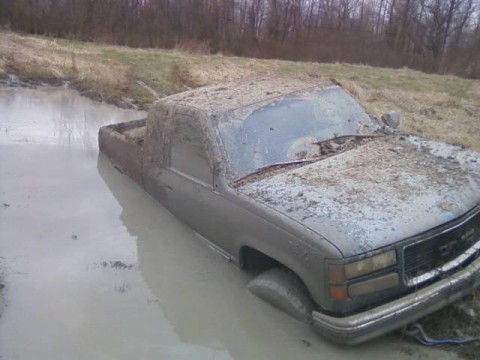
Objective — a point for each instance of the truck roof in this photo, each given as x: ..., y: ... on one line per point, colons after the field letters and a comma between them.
x: 220, y: 98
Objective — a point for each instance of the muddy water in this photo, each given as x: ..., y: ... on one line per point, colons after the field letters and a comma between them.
x: 95, y: 269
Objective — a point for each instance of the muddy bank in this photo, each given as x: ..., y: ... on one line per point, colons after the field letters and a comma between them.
x: 119, y: 101
x: 12, y: 80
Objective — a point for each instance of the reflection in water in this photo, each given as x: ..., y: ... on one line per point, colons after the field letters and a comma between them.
x: 201, y: 295
x: 57, y: 116
x: 70, y: 216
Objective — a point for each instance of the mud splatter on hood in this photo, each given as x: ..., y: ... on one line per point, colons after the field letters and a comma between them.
x: 377, y: 194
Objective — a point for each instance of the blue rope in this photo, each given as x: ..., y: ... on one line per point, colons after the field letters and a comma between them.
x: 416, y: 331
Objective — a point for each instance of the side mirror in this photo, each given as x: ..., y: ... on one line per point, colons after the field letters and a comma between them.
x: 391, y: 119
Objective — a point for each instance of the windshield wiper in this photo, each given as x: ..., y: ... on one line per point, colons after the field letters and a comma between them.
x: 342, y: 143
x: 275, y: 166
x: 346, y: 137
x: 323, y: 153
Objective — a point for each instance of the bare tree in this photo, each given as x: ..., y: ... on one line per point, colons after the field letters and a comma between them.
x: 424, y: 34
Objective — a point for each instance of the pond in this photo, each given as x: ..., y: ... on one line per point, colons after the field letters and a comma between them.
x: 94, y: 268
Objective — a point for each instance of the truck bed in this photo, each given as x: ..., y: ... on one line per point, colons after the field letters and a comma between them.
x: 123, y: 144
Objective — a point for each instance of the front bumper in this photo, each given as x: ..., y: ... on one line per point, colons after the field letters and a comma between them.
x: 367, y: 325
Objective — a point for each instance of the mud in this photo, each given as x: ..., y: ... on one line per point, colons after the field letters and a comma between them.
x: 322, y: 151
x: 351, y: 196
x: 12, y: 80
x: 216, y: 99
x: 458, y: 321
x: 70, y: 212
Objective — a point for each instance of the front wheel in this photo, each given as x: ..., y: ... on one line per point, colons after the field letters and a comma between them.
x: 283, y: 289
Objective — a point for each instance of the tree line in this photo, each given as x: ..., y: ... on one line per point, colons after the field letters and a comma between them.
x: 431, y: 35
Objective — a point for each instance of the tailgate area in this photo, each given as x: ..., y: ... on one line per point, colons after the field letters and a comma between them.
x: 123, y: 144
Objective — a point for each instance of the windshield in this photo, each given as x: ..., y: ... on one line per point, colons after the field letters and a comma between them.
x: 288, y: 129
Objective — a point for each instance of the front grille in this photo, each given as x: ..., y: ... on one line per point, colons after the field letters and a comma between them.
x: 429, y: 255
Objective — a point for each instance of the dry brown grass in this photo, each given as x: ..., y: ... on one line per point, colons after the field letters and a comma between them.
x: 193, y: 47
x: 440, y: 107
x: 435, y: 115
x: 41, y: 59
x: 2, y: 67
x: 222, y: 71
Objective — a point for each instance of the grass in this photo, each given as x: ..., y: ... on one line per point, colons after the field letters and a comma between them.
x: 445, y: 108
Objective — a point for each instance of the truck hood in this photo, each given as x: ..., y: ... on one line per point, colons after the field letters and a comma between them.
x: 382, y: 192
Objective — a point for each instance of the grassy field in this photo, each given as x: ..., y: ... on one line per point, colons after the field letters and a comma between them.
x: 441, y: 107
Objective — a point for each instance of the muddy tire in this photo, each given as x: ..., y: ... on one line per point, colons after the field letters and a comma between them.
x: 284, y: 290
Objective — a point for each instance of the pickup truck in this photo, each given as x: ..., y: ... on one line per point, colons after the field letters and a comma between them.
x: 350, y: 225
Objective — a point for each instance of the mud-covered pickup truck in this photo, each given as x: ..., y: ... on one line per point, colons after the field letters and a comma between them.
x: 350, y: 225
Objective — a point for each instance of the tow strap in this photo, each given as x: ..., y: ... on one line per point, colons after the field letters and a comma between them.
x: 416, y: 331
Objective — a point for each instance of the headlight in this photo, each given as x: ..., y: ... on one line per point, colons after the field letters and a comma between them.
x: 371, y: 264
x: 339, y: 275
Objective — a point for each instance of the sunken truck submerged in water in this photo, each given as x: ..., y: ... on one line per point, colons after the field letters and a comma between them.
x: 358, y: 229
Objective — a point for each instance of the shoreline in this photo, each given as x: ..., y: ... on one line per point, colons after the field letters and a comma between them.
x: 13, y: 80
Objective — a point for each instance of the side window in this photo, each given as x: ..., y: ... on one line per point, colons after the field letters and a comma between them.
x: 187, y: 151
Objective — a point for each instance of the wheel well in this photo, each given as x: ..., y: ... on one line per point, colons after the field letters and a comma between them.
x: 254, y: 260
